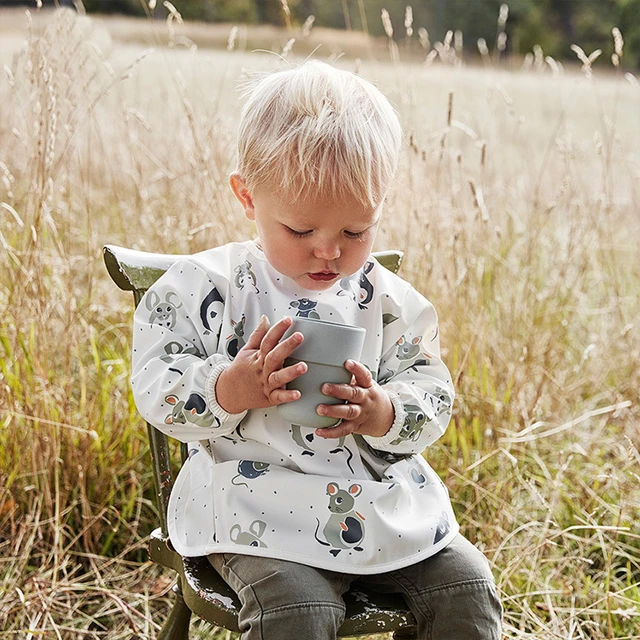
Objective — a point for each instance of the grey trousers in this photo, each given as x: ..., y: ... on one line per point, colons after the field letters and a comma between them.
x: 451, y: 594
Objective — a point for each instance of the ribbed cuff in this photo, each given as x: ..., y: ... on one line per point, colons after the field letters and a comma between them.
x: 212, y: 401
x: 398, y: 422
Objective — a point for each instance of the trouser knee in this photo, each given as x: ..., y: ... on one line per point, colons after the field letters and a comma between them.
x: 283, y: 600
x: 317, y: 621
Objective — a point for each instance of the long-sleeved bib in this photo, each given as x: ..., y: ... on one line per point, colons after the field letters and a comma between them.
x: 255, y: 484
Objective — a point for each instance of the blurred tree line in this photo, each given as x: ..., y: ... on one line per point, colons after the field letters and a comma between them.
x: 552, y: 24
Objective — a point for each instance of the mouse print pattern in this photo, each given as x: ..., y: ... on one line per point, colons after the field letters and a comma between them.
x: 345, y: 527
x: 193, y: 411
x: 308, y: 438
x: 306, y: 308
x: 249, y: 470
x: 236, y: 340
x: 163, y: 313
x: 442, y: 527
x: 211, y: 309
x: 362, y: 291
x: 245, y: 276
x: 413, y: 425
x: 411, y: 355
x: 251, y: 537
x: 265, y: 486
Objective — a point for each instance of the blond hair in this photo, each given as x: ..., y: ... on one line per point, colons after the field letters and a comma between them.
x: 316, y: 129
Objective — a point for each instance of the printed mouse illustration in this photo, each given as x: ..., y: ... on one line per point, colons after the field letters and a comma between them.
x: 235, y: 341
x: 306, y: 308
x: 250, y: 538
x: 164, y: 313
x: 440, y: 402
x: 236, y: 436
x: 210, y: 308
x: 345, y: 527
x: 408, y: 353
x: 349, y: 287
x: 244, y: 275
x: 250, y: 470
x: 413, y: 424
x: 366, y: 288
x: 363, y: 291
x: 173, y: 349
x: 193, y: 411
x: 417, y: 475
x: 303, y: 441
x: 442, y: 527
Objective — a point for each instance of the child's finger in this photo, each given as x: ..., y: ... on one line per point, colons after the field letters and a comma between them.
x: 360, y: 373
x: 340, y: 411
x: 256, y: 337
x: 282, y: 396
x: 274, y: 335
x: 274, y: 359
x: 339, y: 431
x: 282, y: 376
x: 347, y: 392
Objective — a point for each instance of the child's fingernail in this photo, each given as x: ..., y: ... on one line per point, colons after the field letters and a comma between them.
x: 326, y: 389
x: 321, y: 410
x: 349, y: 363
x: 301, y: 368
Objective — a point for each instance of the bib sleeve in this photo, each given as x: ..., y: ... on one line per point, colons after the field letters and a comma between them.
x: 412, y: 373
x: 175, y: 360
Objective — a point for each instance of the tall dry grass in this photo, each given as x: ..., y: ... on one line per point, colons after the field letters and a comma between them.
x: 517, y: 206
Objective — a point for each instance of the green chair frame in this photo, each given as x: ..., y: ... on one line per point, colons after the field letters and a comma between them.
x: 199, y: 589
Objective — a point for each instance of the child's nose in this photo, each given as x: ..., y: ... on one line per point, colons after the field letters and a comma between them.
x: 327, y: 250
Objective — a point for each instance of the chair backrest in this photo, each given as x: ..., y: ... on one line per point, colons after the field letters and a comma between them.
x: 136, y: 271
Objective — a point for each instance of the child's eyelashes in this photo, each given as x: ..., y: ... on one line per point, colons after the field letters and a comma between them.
x: 297, y: 234
x: 354, y: 235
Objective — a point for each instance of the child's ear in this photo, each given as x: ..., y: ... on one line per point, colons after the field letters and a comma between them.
x: 240, y: 190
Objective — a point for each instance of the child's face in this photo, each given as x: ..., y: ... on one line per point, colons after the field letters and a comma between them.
x: 313, y: 241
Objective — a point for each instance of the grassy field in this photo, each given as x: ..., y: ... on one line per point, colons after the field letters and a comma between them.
x: 518, y: 207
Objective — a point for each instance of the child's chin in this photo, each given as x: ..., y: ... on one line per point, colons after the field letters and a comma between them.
x: 317, y: 285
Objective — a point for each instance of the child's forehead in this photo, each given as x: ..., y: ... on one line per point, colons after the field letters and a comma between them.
x: 335, y: 215
x: 311, y: 206
x: 303, y: 196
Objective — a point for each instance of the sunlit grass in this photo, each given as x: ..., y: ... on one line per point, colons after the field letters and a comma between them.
x: 517, y: 206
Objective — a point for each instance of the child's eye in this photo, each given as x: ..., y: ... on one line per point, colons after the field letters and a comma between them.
x: 354, y: 234
x: 297, y: 234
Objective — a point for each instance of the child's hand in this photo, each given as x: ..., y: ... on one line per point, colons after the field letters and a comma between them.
x: 368, y: 411
x: 256, y: 378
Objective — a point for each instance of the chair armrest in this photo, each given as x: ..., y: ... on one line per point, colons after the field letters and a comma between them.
x: 135, y: 270
x: 389, y: 259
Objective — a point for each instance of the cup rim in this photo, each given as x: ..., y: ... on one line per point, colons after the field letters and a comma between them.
x: 325, y: 322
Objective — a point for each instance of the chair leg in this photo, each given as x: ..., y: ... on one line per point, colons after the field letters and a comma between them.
x: 176, y: 626
x: 406, y: 634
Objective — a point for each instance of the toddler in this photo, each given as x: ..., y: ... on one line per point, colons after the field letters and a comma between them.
x: 288, y: 515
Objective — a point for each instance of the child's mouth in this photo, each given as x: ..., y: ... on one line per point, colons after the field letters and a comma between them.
x: 323, y: 276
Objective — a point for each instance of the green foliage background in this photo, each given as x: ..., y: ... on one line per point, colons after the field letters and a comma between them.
x: 553, y: 24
